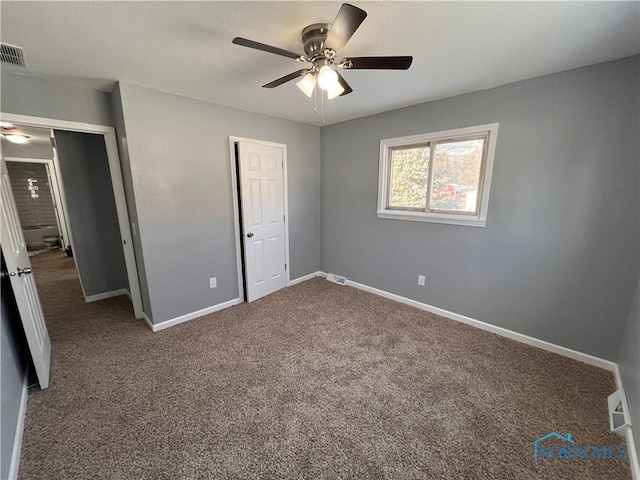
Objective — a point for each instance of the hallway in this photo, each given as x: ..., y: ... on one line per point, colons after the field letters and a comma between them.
x: 60, y: 293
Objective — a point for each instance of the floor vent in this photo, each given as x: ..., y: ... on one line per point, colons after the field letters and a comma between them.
x: 336, y: 279
x: 12, y: 55
x: 619, y: 418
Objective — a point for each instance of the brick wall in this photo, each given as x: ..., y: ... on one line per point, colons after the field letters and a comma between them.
x: 32, y: 211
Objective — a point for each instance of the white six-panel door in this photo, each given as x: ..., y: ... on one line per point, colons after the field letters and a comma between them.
x: 263, y: 221
x: 24, y: 288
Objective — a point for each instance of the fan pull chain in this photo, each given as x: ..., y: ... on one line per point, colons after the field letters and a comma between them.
x: 322, y: 104
x: 315, y: 100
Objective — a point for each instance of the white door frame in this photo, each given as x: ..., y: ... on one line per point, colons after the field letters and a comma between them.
x: 236, y: 207
x: 116, y: 182
x: 56, y: 191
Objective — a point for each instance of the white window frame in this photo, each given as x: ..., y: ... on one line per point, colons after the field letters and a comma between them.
x: 478, y: 220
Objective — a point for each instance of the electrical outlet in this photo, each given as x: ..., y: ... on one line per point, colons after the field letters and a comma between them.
x: 421, y: 280
x: 213, y: 283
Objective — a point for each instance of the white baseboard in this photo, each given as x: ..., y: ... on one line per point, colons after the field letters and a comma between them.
x: 634, y: 462
x: 221, y: 306
x: 633, y: 455
x: 617, y: 377
x: 148, y: 321
x: 518, y: 337
x: 305, y: 278
x: 156, y: 327
x: 17, y: 439
x: 128, y: 294
x: 105, y: 295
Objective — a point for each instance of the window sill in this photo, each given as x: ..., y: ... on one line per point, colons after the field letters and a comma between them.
x: 433, y: 218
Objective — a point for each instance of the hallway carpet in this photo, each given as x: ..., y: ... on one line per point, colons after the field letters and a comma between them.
x: 316, y: 381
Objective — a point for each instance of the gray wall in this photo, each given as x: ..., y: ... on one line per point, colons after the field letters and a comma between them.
x: 629, y: 364
x: 13, y: 371
x: 127, y: 180
x: 42, y: 97
x: 558, y: 257
x: 181, y: 175
x: 88, y: 191
x: 32, y: 211
x: 28, y: 150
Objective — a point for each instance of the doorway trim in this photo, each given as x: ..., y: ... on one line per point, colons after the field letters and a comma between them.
x: 236, y: 207
x: 111, y: 145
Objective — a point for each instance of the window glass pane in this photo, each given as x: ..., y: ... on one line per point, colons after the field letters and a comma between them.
x: 409, y: 177
x: 456, y: 176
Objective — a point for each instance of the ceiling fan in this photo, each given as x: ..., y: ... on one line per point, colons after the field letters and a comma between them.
x: 322, y: 42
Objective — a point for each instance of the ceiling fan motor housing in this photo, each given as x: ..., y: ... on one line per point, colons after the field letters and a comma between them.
x: 313, y: 38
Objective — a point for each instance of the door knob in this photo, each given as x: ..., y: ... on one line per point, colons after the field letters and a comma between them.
x: 249, y: 234
x: 23, y: 271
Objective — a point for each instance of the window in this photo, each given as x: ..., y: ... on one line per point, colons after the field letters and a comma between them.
x: 441, y: 177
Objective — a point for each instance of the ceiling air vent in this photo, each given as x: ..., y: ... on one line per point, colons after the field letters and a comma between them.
x: 12, y: 55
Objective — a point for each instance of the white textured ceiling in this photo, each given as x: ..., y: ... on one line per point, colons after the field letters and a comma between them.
x: 185, y: 47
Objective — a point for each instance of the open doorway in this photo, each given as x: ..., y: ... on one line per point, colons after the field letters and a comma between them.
x: 36, y: 188
x: 33, y: 184
x: 66, y: 208
x: 64, y: 212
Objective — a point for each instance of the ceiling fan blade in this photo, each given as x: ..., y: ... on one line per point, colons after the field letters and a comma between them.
x: 287, y: 78
x: 344, y: 26
x: 266, y: 48
x: 345, y: 85
x: 381, y: 63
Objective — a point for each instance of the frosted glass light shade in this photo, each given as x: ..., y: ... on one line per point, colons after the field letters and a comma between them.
x: 307, y: 84
x: 327, y: 78
x: 335, y: 91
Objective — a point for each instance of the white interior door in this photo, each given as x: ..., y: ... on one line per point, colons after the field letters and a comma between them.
x: 263, y: 221
x: 22, y: 281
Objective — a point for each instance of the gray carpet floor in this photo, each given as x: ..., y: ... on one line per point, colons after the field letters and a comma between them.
x: 316, y: 381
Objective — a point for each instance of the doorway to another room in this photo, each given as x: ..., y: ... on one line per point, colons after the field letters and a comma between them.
x: 65, y: 229
x: 65, y: 205
x: 37, y: 196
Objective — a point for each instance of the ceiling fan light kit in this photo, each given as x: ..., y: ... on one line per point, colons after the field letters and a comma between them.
x: 307, y: 84
x: 322, y: 42
x: 335, y: 91
x: 327, y: 78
